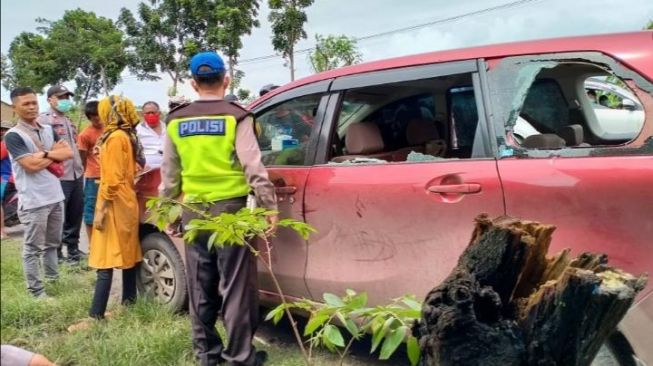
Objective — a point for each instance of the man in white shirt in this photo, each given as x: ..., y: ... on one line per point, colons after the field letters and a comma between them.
x: 151, y: 133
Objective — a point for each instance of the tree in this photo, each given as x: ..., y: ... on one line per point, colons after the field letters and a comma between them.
x: 7, y: 74
x: 168, y: 32
x: 288, y: 18
x: 81, y: 47
x: 245, y: 96
x: 235, y: 18
x: 650, y: 25
x: 332, y: 52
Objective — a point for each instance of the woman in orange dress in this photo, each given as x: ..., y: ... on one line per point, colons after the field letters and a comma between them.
x: 115, y: 243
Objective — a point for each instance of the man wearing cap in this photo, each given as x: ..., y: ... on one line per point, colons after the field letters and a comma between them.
x: 211, y: 151
x: 266, y: 89
x: 72, y: 182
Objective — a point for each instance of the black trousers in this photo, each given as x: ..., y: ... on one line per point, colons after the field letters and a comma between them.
x: 73, y: 190
x: 222, y: 281
x: 103, y: 290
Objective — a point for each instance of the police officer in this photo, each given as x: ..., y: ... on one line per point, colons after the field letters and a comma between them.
x: 72, y: 182
x: 210, y: 150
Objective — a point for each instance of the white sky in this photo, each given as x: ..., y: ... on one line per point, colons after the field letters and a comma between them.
x: 538, y: 19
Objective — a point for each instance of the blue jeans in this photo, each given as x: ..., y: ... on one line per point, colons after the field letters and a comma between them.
x: 90, y: 197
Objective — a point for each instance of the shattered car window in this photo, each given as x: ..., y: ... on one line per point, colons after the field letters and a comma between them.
x: 544, y: 102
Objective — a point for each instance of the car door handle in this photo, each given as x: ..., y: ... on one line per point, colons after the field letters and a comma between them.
x: 463, y: 188
x: 285, y: 190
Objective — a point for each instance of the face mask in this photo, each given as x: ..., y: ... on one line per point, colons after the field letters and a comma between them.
x: 152, y: 120
x: 64, y: 105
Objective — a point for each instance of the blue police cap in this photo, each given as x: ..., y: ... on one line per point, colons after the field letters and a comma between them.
x: 212, y: 62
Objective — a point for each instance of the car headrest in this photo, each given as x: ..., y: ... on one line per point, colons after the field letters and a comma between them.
x: 572, y: 134
x: 420, y: 131
x: 363, y: 138
x: 544, y: 141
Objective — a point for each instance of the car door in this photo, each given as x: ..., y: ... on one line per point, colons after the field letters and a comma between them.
x: 286, y: 135
x: 395, y: 228
x: 597, y: 189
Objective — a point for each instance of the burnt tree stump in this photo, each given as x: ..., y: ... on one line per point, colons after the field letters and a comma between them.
x: 507, y: 303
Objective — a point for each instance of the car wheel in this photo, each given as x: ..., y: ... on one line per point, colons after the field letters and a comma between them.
x: 616, y: 352
x: 162, y: 275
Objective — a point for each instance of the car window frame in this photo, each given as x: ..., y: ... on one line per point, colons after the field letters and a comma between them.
x: 483, y: 148
x: 277, y: 100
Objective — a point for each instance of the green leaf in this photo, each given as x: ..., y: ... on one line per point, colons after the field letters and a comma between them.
x: 412, y: 303
x: 315, y: 322
x: 349, y: 324
x: 380, y: 333
x: 174, y: 213
x: 392, y: 341
x: 278, y: 316
x: 327, y: 342
x: 274, y: 312
x: 352, y: 328
x: 332, y: 299
x: 333, y: 335
x: 413, y: 351
x: 211, y: 241
x: 358, y: 301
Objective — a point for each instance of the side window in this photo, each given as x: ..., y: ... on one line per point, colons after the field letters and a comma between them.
x: 284, y: 130
x: 567, y: 103
x: 412, y: 121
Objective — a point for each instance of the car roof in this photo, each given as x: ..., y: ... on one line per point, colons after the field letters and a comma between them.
x: 629, y: 48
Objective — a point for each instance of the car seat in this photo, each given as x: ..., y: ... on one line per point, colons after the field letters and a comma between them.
x: 419, y: 132
x: 573, y: 135
x: 363, y: 140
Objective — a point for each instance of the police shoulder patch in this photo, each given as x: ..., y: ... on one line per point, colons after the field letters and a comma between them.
x: 205, y: 126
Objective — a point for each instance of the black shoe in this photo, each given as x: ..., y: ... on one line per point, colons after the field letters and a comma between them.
x: 260, y: 358
x: 77, y: 255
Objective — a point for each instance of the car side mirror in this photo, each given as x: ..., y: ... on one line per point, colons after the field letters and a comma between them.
x: 628, y: 104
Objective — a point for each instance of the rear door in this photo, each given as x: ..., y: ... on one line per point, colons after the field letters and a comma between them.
x: 398, y: 227
x: 598, y: 189
x: 287, y: 133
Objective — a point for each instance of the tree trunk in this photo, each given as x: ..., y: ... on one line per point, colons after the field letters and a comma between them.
x: 232, y: 66
x: 105, y: 86
x: 507, y: 303
x: 291, y: 61
x: 89, y: 83
x: 173, y: 92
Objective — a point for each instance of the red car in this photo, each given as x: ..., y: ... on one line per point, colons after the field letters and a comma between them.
x: 401, y: 155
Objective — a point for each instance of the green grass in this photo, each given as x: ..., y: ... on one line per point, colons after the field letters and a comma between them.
x: 143, y: 334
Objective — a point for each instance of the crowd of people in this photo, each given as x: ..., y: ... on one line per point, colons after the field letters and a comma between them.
x: 63, y: 178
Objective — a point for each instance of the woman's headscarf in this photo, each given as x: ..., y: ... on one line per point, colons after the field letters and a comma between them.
x: 119, y: 113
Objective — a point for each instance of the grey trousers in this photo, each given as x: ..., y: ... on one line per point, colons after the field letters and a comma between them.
x: 222, y: 281
x: 42, y: 237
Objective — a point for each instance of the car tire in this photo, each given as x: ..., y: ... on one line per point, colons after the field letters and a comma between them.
x: 162, y: 276
x: 616, y: 352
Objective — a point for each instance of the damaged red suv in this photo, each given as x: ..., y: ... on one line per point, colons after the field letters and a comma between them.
x: 392, y: 160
